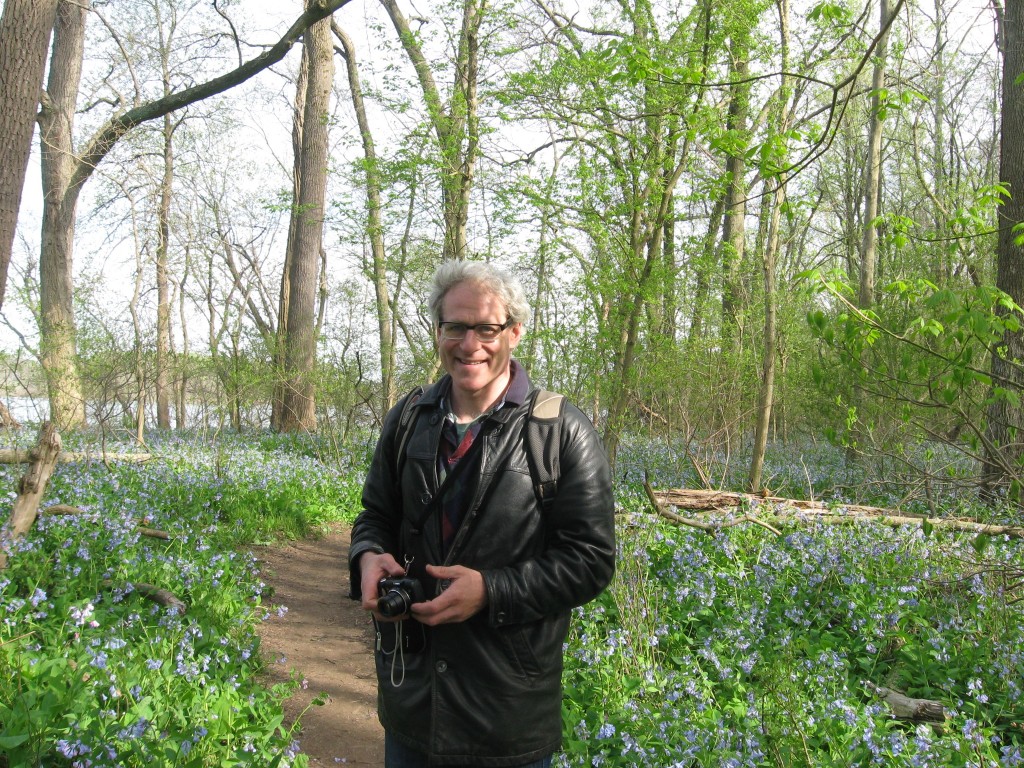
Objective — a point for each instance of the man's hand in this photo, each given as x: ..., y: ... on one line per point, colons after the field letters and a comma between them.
x: 465, y: 596
x: 372, y: 568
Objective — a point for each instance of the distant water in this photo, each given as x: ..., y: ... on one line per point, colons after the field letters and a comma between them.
x: 29, y: 410
x: 36, y: 410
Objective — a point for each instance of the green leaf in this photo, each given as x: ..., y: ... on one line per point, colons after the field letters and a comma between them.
x: 10, y: 742
x: 835, y: 13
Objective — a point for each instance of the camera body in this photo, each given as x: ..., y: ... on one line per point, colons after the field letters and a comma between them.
x: 396, y: 595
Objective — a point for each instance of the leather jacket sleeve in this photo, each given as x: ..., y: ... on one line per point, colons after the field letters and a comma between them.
x: 377, y: 527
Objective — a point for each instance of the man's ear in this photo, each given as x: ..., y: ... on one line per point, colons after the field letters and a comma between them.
x: 515, y: 335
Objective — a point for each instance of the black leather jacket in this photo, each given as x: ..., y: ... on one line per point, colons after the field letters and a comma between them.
x: 487, y: 691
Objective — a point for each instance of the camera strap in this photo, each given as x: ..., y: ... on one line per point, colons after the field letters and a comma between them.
x: 469, y: 459
x: 407, y: 636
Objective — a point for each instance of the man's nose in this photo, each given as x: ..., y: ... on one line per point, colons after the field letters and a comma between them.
x: 470, y: 340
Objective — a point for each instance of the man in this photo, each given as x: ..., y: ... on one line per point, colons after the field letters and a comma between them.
x: 471, y: 674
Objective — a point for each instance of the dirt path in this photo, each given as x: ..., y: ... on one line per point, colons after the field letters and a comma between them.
x: 325, y: 638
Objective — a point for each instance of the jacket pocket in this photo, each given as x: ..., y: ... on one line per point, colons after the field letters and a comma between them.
x: 523, y: 660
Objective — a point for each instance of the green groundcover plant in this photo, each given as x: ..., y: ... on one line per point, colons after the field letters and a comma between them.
x: 754, y: 648
x: 742, y: 648
x: 95, y: 673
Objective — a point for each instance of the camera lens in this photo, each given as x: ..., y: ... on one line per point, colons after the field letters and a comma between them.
x: 394, y: 603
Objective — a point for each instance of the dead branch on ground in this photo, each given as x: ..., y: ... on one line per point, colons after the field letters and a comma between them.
x: 905, y: 708
x: 158, y: 595
x: 708, y: 527
x: 844, y: 514
x: 31, y: 489
x: 17, y: 456
x: 68, y: 509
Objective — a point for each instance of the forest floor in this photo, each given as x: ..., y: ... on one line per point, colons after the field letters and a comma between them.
x: 325, y: 639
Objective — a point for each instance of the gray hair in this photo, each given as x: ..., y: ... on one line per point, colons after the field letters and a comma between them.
x: 489, y: 277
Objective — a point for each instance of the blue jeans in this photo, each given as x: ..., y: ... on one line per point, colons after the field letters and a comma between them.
x: 400, y: 756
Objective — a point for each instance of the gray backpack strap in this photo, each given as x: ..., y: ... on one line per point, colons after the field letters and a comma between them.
x: 543, y: 444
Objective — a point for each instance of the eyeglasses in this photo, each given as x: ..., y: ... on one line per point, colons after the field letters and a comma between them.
x: 484, y: 331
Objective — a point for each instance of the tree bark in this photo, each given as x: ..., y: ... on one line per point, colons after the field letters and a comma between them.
x: 58, y: 347
x: 766, y: 394
x: 25, y: 29
x: 733, y: 245
x: 163, y: 292
x: 31, y: 488
x: 1004, y: 449
x: 873, y: 182
x: 904, y: 707
x: 298, y: 411
x: 769, y: 258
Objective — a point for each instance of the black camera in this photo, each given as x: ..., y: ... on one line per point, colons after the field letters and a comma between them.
x: 394, y: 596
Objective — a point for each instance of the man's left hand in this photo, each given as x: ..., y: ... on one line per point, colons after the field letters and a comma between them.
x: 464, y: 597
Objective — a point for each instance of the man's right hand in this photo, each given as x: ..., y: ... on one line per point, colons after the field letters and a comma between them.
x: 372, y: 568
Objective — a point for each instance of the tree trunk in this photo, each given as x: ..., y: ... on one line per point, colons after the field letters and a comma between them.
x: 139, y: 356
x: 1004, y: 449
x: 298, y: 411
x: 374, y: 229
x: 58, y: 351
x: 873, y: 182
x: 734, y: 228
x: 25, y: 29
x: 704, y: 269
x: 457, y: 130
x: 163, y: 292
x: 769, y: 259
x: 31, y: 488
x: 766, y: 395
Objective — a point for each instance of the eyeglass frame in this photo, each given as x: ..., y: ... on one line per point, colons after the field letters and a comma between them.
x: 502, y: 327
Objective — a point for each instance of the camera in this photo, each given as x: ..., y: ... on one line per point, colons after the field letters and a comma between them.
x: 394, y: 596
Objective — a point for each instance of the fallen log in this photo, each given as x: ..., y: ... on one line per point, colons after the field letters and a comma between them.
x: 31, y: 489
x: 61, y: 509
x: 708, y: 527
x: 777, y: 506
x: 68, y: 509
x: 154, y: 533
x: 18, y: 456
x: 158, y: 595
x: 905, y: 708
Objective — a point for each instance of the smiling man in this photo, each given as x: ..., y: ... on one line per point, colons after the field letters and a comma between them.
x: 469, y: 576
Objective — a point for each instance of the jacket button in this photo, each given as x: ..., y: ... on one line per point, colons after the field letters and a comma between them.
x: 441, y: 666
x: 425, y: 499
x: 500, y: 617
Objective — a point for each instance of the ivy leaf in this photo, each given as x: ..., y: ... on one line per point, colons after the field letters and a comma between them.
x: 980, y: 542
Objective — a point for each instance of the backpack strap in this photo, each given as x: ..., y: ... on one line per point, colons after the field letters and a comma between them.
x: 543, y: 444
x: 405, y: 422
x: 543, y: 440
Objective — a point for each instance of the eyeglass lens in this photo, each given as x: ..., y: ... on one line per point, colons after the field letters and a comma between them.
x: 483, y: 331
